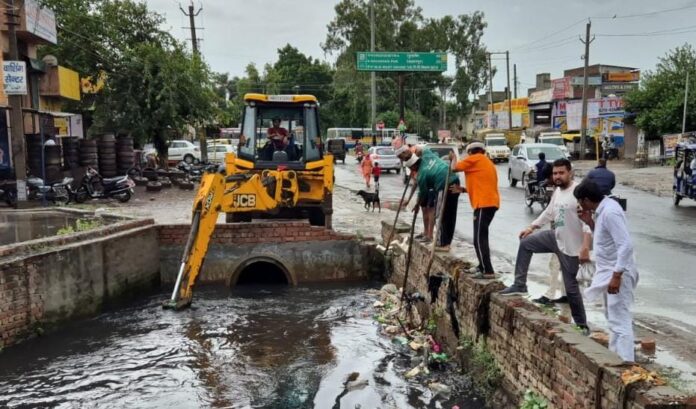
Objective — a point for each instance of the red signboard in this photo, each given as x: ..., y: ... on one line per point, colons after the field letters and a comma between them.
x: 561, y: 88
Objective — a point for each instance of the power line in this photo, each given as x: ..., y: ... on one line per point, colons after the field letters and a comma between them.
x: 671, y: 31
x: 650, y: 13
x: 548, y: 35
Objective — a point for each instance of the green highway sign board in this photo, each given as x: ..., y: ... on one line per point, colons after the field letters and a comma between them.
x: 393, y: 61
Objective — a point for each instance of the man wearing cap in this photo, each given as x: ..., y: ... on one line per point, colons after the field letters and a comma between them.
x: 432, y: 176
x: 427, y: 205
x: 482, y: 186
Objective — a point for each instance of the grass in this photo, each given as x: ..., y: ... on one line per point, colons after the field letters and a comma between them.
x: 533, y: 401
x: 80, y: 225
x: 486, y: 374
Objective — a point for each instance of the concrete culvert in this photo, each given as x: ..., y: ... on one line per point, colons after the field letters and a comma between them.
x: 262, y: 272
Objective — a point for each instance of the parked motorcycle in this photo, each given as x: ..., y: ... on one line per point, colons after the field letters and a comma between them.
x: 8, y: 192
x: 94, y: 186
x: 60, y: 192
x: 194, y: 173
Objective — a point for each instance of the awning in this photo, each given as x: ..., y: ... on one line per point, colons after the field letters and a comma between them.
x: 539, y: 107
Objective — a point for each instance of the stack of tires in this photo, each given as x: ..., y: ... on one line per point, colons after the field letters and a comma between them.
x: 34, y: 150
x: 88, y: 153
x: 107, y: 156
x: 125, y: 156
x: 71, y: 152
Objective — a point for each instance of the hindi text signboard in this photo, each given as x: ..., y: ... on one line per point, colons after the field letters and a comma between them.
x: 398, y: 61
x: 14, y: 77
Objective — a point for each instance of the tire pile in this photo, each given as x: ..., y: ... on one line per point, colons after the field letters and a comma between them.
x: 156, y: 180
x: 88, y: 153
x: 125, y: 156
x: 107, y: 156
x: 71, y: 152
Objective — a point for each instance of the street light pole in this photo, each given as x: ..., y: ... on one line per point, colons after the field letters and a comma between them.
x: 686, y: 95
x: 583, y: 124
x: 16, y: 121
x: 373, y: 80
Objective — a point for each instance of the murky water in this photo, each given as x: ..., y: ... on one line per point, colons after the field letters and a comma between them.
x: 262, y: 348
x: 17, y: 227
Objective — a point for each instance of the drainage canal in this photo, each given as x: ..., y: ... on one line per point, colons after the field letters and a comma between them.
x: 248, y: 346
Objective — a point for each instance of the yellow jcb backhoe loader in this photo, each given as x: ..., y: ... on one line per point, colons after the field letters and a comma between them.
x: 280, y: 171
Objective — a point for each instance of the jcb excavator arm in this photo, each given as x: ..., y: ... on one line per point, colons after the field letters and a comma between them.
x: 220, y: 193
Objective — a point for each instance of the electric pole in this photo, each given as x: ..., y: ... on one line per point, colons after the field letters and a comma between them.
x: 16, y: 120
x: 507, y: 93
x: 686, y: 95
x: 586, y: 57
x: 373, y: 81
x: 196, y: 54
x: 490, y: 89
x: 514, y: 75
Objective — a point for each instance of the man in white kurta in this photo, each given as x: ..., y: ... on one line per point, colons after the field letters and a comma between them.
x: 616, y: 275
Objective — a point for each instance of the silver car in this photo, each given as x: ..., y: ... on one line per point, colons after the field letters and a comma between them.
x: 386, y: 158
x: 525, y: 156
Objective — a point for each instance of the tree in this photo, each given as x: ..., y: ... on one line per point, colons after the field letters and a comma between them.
x: 659, y: 102
x: 400, y: 26
x: 157, y: 93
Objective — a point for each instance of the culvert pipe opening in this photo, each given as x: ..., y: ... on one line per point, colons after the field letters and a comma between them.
x: 263, y: 273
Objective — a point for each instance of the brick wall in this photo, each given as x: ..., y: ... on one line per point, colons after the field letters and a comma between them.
x: 533, y: 350
x: 256, y: 232
x: 41, y: 287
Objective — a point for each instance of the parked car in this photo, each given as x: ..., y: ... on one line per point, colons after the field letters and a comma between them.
x: 386, y: 158
x: 184, y: 150
x: 496, y: 147
x: 525, y: 156
x: 217, y: 153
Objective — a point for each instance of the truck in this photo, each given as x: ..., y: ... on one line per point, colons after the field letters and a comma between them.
x: 554, y: 138
x: 496, y: 147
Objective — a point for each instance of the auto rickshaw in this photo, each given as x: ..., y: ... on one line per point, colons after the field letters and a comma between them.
x: 337, y: 147
x: 684, y: 171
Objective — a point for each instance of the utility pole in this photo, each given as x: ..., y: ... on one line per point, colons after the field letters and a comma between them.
x: 586, y: 57
x: 686, y: 95
x: 514, y: 75
x: 16, y: 120
x: 490, y: 89
x: 196, y: 54
x: 373, y: 80
x: 507, y: 95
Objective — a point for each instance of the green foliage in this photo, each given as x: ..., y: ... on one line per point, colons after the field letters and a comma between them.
x: 533, y: 401
x: 486, y: 374
x: 400, y: 26
x: 80, y: 225
x: 659, y: 102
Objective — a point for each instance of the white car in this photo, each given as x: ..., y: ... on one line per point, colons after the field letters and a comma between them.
x: 184, y: 150
x: 496, y: 147
x: 386, y: 157
x: 217, y: 153
x: 525, y: 156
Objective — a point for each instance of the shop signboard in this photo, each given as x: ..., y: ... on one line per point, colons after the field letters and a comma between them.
x: 40, y: 21
x: 540, y: 97
x: 15, y: 77
x: 593, y: 81
x: 670, y: 142
x: 618, y: 87
x: 561, y: 88
x: 623, y: 76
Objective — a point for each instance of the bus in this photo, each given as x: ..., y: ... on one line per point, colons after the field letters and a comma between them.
x: 351, y: 135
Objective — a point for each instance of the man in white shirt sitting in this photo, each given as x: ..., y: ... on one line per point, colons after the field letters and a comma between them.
x: 568, y: 239
x: 616, y: 275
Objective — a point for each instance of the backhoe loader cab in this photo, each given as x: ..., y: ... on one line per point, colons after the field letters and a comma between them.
x: 281, y: 171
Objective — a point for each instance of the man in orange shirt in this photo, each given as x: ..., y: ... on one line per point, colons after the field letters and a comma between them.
x: 482, y: 186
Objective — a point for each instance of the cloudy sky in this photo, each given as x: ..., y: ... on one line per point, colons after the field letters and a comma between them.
x: 541, y: 35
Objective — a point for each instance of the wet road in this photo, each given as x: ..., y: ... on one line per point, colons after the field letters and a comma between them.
x: 664, y: 239
x: 251, y: 347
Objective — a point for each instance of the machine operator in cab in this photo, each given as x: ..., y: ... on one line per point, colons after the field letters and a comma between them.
x: 278, y: 135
